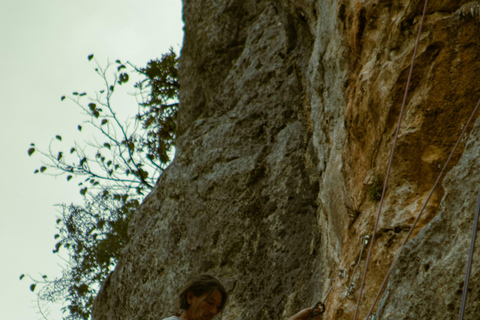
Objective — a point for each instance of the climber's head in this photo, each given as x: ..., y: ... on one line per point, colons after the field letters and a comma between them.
x: 202, y: 298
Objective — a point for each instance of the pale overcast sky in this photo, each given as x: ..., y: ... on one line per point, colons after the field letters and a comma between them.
x: 44, y: 46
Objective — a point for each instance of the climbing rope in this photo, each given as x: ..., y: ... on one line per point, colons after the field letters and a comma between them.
x: 391, y: 160
x: 425, y: 203
x: 469, y: 261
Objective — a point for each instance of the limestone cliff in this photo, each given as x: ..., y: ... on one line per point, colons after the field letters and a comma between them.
x: 288, y: 113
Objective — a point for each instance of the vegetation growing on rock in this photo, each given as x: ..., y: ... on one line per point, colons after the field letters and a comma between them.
x: 116, y: 169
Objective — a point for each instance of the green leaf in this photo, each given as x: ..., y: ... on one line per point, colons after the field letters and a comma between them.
x: 44, y: 276
x: 90, y: 57
x: 62, y: 98
x: 32, y: 287
x: 92, y: 106
x: 58, y: 221
x: 60, y: 155
x: 123, y: 78
x: 142, y: 173
x: 131, y: 146
x: 59, y: 138
x: 72, y: 150
x: 58, y: 245
x: 107, y: 145
x: 79, y: 127
x: 56, y: 236
x: 22, y: 276
x: 75, y: 93
x: 43, y: 168
x: 36, y: 171
x: 82, y: 94
x: 31, y: 151
x: 69, y: 178
x: 104, y: 121
x: 83, y: 191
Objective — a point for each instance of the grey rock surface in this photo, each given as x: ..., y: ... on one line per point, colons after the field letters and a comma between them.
x: 238, y: 200
x: 288, y: 112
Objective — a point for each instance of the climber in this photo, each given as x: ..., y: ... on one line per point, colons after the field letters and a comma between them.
x: 204, y: 296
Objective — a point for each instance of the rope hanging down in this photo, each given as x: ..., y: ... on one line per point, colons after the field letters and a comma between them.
x: 390, y: 161
x: 469, y: 261
x: 425, y: 203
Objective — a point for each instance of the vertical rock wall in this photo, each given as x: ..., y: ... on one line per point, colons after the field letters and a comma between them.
x: 288, y: 112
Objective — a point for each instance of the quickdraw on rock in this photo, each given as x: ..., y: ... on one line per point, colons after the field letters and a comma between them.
x: 353, y: 282
x: 319, y: 307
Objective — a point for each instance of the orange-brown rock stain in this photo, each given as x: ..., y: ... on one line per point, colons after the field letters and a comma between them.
x: 443, y: 92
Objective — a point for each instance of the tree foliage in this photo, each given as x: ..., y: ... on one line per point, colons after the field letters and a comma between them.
x: 159, y: 115
x: 117, y: 167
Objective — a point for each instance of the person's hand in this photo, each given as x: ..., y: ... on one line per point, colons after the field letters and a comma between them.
x: 304, y: 315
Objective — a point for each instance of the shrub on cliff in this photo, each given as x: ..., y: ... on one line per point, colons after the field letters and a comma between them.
x: 117, y: 168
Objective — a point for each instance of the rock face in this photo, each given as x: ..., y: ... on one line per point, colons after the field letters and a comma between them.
x: 288, y: 114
